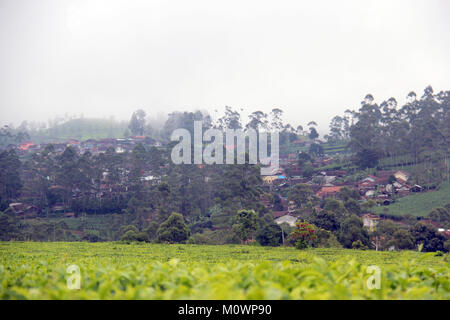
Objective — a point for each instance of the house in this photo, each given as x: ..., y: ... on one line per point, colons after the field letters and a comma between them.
x: 290, y: 220
x: 370, y: 193
x: 270, y: 179
x: 25, y: 146
x: 402, y: 176
x: 326, y: 192
x: 370, y: 221
x: 24, y: 210
x: 278, y: 214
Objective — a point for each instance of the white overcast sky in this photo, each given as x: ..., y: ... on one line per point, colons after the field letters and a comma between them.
x: 313, y: 59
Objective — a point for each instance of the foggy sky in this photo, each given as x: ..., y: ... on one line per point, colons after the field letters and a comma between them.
x: 313, y: 59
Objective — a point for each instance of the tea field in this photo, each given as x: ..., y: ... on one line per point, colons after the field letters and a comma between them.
x: 39, y: 270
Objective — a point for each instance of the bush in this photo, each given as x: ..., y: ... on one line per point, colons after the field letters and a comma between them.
x: 326, y: 239
x: 447, y: 246
x: 269, y: 235
x: 359, y: 245
x: 130, y: 235
x: 173, y: 230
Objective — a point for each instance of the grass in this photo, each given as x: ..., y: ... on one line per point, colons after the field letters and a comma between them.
x: 30, y: 270
x: 419, y: 204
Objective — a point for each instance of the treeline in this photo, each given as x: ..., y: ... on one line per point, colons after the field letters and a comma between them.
x: 418, y: 131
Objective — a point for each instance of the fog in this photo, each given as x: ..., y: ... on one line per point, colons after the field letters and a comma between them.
x: 314, y: 60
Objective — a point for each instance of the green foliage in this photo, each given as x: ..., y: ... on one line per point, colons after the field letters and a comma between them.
x: 427, y: 236
x: 325, y: 219
x: 146, y: 271
x: 81, y: 129
x: 441, y: 216
x: 419, y: 204
x: 10, y: 181
x: 302, y: 195
x: 269, y: 235
x: 358, y: 245
x: 173, y: 230
x: 352, y: 230
x: 304, y: 234
x: 326, y: 239
x: 246, y: 224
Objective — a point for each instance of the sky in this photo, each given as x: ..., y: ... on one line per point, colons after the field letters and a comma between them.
x: 312, y: 59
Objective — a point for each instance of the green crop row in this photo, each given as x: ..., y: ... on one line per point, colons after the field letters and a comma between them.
x: 121, y: 271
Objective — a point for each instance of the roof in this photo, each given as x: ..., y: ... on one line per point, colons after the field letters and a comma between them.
x: 286, y: 219
x: 278, y: 214
x: 329, y: 190
x: 26, y: 145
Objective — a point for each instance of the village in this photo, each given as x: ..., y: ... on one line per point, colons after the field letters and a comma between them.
x: 381, y: 189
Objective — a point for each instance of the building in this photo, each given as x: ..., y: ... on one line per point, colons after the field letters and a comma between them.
x: 290, y: 220
x: 401, y: 176
x: 370, y: 221
x: 326, y: 192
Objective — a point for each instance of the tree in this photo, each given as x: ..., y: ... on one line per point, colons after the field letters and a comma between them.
x: 352, y: 230
x: 327, y: 220
x: 130, y: 235
x: 366, y: 158
x: 230, y: 120
x: 427, y: 235
x: 304, y: 234
x: 326, y: 239
x: 10, y: 182
x: 137, y: 123
x: 8, y: 227
x: 337, y: 207
x: 352, y: 206
x: 346, y: 194
x: 316, y: 150
x: 152, y: 230
x: 403, y: 240
x: 440, y: 215
x: 384, y: 234
x: 276, y: 119
x: 302, y: 195
x: 246, y: 224
x: 313, y: 135
x: 257, y: 120
x: 173, y: 230
x: 269, y: 235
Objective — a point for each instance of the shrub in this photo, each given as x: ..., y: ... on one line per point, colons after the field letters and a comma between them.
x: 173, y: 230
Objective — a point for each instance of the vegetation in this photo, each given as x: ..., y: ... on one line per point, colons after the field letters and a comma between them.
x: 419, y: 204
x: 120, y: 271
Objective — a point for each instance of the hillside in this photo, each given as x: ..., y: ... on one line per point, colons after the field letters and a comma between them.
x: 81, y: 129
x: 419, y: 204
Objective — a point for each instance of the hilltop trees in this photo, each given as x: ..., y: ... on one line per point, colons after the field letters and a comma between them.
x: 417, y: 131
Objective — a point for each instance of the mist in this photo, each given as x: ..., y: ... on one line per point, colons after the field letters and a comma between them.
x: 311, y: 59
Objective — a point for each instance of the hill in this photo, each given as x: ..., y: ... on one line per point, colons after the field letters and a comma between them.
x: 418, y: 204
x: 81, y: 129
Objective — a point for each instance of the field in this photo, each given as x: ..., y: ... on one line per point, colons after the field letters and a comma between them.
x: 419, y: 204
x: 32, y: 270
